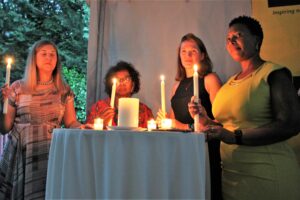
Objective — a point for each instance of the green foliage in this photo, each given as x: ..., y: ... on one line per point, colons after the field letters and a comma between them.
x: 65, y: 22
x: 77, y: 82
x: 23, y: 22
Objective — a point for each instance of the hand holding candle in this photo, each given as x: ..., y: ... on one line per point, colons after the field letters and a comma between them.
x: 163, y: 94
x: 7, y: 81
x: 196, y: 94
x: 112, y: 96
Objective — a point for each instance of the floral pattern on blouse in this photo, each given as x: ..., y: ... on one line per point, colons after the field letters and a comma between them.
x: 145, y: 113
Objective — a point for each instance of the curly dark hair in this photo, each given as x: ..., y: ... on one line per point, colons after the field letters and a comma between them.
x: 252, y: 25
x: 206, y: 64
x: 121, y: 66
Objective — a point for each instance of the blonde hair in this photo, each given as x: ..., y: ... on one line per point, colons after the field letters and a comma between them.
x: 31, y: 71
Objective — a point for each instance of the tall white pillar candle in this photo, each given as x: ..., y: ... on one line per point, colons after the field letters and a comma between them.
x: 128, y: 112
x: 163, y: 94
x: 196, y: 94
x: 7, y: 81
x: 113, y: 96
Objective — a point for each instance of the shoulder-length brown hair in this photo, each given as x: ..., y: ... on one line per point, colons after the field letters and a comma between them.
x: 205, y: 65
x: 31, y: 70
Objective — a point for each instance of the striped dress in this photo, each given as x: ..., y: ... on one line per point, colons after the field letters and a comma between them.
x: 23, y: 165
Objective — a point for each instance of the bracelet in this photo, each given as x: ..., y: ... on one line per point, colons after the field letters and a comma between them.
x: 191, y: 126
x: 238, y: 134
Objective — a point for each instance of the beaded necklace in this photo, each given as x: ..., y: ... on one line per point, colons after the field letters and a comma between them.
x: 46, y: 82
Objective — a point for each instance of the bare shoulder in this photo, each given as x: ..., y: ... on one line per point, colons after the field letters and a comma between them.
x: 212, y: 78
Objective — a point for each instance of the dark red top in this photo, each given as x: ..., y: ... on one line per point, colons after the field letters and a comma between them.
x: 145, y: 113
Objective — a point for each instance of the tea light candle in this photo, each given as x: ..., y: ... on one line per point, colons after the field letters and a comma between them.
x: 113, y: 96
x: 7, y: 81
x: 196, y: 94
x: 98, y: 124
x: 166, y: 123
x: 128, y: 115
x: 151, y: 125
x: 163, y: 94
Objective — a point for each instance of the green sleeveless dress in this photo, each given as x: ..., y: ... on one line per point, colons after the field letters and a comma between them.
x: 254, y: 172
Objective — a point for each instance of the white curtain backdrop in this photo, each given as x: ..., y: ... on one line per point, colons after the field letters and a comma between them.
x: 147, y: 33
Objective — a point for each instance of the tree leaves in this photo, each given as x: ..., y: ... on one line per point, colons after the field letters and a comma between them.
x: 65, y: 22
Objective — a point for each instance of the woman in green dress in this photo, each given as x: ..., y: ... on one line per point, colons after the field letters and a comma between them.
x: 259, y: 111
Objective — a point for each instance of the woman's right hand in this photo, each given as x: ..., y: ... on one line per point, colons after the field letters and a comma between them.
x: 107, y: 114
x: 5, y: 89
x: 196, y: 108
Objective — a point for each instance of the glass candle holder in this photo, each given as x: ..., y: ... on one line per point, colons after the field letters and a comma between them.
x: 98, y: 124
x: 151, y: 125
x: 166, y: 123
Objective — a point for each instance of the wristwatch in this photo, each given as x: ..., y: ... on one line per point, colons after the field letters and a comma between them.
x: 238, y: 134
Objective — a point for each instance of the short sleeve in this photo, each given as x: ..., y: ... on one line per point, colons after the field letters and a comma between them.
x: 271, y: 67
x: 14, y: 93
x: 68, y: 95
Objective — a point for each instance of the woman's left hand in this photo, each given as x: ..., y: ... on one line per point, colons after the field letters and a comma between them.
x: 219, y: 133
x: 87, y: 126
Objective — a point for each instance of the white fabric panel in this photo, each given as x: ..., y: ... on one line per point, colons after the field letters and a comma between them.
x: 88, y: 164
x: 147, y: 34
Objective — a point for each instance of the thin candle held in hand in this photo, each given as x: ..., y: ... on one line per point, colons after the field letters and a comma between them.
x: 113, y: 93
x: 196, y: 94
x: 163, y: 94
x: 112, y: 96
x: 7, y: 81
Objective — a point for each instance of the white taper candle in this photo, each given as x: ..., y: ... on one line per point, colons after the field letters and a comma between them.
x: 196, y: 94
x: 7, y: 81
x: 113, y: 96
x: 163, y: 94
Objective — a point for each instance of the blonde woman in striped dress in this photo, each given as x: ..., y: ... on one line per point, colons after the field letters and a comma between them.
x: 38, y: 103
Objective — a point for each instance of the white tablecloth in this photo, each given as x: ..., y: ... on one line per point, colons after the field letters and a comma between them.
x: 90, y: 164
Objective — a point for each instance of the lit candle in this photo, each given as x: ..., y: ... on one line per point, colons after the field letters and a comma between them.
x: 7, y: 81
x: 112, y: 96
x: 196, y: 94
x: 151, y: 125
x: 166, y: 123
x: 98, y: 124
x: 113, y: 93
x: 163, y: 94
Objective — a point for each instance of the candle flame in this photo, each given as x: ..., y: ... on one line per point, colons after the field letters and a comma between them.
x: 114, y: 80
x: 195, y: 67
x: 9, y: 61
x: 162, y: 77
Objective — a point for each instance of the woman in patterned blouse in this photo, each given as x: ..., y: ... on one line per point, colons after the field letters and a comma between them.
x: 37, y: 104
x: 128, y: 83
